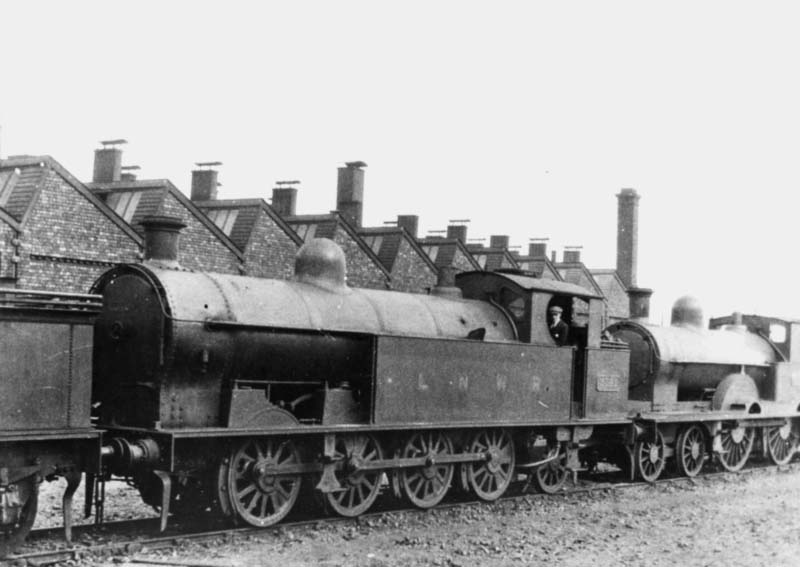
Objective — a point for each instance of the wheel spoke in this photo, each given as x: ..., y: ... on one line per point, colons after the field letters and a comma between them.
x: 425, y: 486
x: 361, y: 488
x: 649, y: 457
x: 257, y: 497
x: 490, y: 478
x: 734, y: 454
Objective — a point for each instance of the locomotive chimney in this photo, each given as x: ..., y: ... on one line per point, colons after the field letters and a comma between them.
x: 284, y: 198
x: 108, y: 162
x: 639, y: 303
x: 350, y: 192
x: 410, y: 223
x: 446, y: 283
x: 204, y: 181
x: 161, y: 240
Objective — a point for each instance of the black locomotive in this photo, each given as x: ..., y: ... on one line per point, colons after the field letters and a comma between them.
x: 236, y: 394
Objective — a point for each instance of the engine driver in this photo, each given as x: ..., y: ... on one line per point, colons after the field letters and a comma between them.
x: 558, y: 328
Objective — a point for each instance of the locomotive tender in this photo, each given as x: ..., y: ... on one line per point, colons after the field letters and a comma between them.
x: 237, y: 394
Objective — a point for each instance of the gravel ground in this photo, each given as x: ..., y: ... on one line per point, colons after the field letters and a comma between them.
x: 748, y: 520
x: 122, y: 503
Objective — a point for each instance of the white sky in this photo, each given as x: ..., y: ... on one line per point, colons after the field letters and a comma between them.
x: 526, y: 117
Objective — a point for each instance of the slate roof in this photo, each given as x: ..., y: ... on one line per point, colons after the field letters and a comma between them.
x: 606, y: 278
x: 247, y: 210
x: 390, y: 239
x: 325, y: 226
x: 578, y: 274
x: 446, y: 251
x: 23, y: 177
x: 538, y: 265
x: 614, y: 291
x: 135, y: 200
x: 492, y: 259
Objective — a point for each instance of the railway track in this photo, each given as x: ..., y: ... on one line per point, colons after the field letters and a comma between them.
x: 132, y: 536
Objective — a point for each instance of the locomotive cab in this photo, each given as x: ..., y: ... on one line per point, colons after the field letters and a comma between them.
x: 599, y: 369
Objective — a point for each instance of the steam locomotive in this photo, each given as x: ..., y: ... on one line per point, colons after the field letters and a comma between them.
x: 237, y: 394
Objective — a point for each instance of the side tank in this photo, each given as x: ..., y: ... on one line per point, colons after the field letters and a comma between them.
x: 170, y: 342
x: 685, y: 362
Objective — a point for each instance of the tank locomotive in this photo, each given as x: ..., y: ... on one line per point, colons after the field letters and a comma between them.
x: 234, y: 393
x: 237, y: 394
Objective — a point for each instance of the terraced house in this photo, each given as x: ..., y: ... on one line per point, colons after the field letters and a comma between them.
x: 55, y: 234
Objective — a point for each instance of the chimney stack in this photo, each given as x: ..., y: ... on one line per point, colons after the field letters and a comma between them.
x: 350, y: 192
x: 204, y: 181
x: 499, y: 241
x: 284, y: 198
x: 410, y: 223
x: 627, y: 236
x: 458, y: 229
x: 161, y: 239
x: 537, y: 247
x: 572, y: 254
x: 108, y: 162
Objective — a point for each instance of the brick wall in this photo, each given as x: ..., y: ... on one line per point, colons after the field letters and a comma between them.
x: 200, y: 249
x: 270, y: 252
x: 461, y: 263
x: 7, y: 252
x: 68, y: 242
x: 410, y: 272
x: 361, y: 270
x: 617, y: 298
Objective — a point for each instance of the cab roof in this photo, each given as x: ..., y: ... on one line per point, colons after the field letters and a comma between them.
x: 529, y: 283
